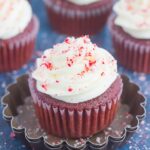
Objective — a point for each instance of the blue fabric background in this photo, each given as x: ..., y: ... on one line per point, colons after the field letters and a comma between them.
x: 46, y: 38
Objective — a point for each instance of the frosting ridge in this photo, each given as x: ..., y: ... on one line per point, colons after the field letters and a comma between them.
x: 75, y: 71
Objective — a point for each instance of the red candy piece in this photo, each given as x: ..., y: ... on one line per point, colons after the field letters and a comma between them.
x: 44, y: 86
x: 70, y: 89
x: 48, y: 65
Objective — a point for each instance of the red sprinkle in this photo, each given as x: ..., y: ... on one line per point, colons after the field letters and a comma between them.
x: 92, y: 62
x: 129, y: 7
x: 67, y: 40
x: 70, y: 89
x: 44, y: 56
x: 86, y: 68
x: 84, y: 71
x: 65, y: 51
x: 102, y: 73
x: 81, y: 74
x: 88, y: 54
x: 44, y: 86
x: 48, y: 65
x: 79, y: 54
x: 81, y: 48
x: 94, y: 46
x: 70, y: 62
x: 103, y: 62
x: 85, y: 41
x: 69, y: 65
x: 86, y: 38
x: 57, y: 81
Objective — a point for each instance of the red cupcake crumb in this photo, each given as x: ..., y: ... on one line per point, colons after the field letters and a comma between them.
x: 103, y: 62
x: 70, y: 62
x: 70, y: 89
x: 92, y: 62
x: 67, y: 40
x: 57, y: 81
x: 44, y: 56
x: 102, y: 73
x: 48, y: 65
x: 44, y: 86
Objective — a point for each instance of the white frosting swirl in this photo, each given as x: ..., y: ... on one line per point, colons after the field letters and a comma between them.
x: 15, y: 15
x: 83, y: 2
x: 134, y: 17
x: 75, y: 71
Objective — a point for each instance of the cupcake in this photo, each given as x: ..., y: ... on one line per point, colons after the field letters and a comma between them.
x: 78, y: 17
x: 75, y: 88
x: 18, y: 30
x: 130, y: 29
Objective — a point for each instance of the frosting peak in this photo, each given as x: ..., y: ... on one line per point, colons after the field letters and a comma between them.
x: 75, y: 70
x: 83, y: 2
x: 14, y: 17
x: 134, y: 17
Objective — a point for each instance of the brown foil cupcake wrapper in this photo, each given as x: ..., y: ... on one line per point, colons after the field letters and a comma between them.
x: 77, y: 22
x: 131, y: 53
x: 17, y: 51
x: 19, y: 111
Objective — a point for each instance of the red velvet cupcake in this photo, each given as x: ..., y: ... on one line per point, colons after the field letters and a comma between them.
x: 76, y: 17
x: 18, y: 32
x: 130, y: 29
x: 75, y: 88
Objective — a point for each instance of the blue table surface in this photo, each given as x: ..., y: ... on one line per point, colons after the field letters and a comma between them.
x: 46, y: 38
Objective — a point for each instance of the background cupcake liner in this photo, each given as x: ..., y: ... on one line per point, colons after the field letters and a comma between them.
x: 132, y: 53
x: 17, y: 51
x: 80, y: 20
x: 71, y: 121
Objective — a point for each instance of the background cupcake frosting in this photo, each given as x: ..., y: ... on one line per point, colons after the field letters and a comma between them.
x: 134, y: 17
x: 14, y: 14
x: 69, y: 69
x: 83, y: 2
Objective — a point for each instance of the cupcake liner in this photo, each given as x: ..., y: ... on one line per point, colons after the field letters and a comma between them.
x: 71, y: 19
x: 134, y: 54
x: 19, y: 111
x: 17, y: 51
x: 75, y: 121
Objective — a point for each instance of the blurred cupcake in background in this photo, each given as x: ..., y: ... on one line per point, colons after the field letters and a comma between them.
x: 78, y: 17
x: 18, y: 30
x: 130, y: 29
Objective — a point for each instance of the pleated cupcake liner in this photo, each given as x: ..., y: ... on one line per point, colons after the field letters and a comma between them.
x: 67, y: 123
x: 132, y: 53
x: 77, y: 22
x: 19, y: 112
x: 17, y: 51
